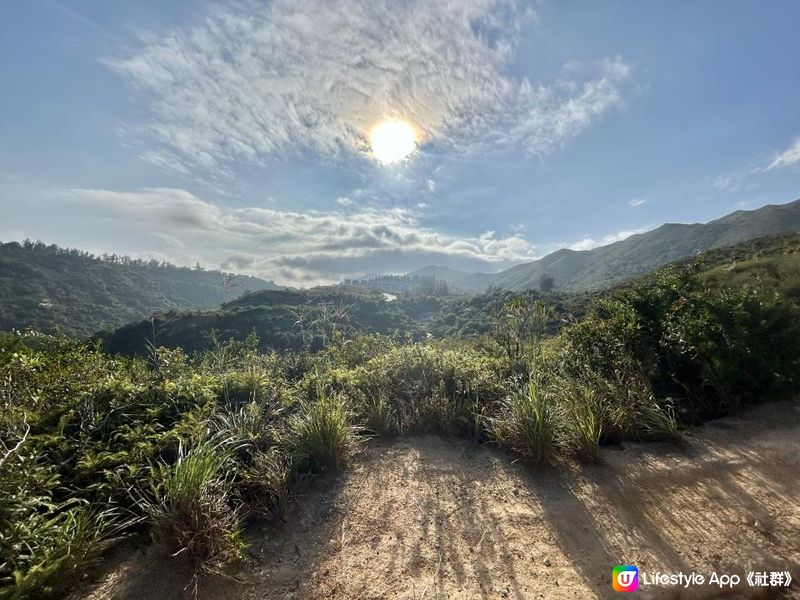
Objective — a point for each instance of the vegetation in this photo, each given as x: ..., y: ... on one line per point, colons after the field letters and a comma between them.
x: 185, y: 447
x: 307, y: 320
x: 70, y: 292
x: 321, y: 434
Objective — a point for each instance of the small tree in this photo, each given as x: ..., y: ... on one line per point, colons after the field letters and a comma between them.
x: 521, y: 320
x: 546, y: 282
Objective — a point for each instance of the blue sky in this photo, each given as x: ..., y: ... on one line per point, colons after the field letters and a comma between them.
x: 237, y: 134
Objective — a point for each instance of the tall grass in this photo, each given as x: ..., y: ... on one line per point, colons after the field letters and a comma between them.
x: 251, y: 423
x: 191, y: 506
x: 267, y: 484
x: 57, y: 552
x: 583, y: 418
x: 379, y: 416
x: 321, y: 435
x: 594, y: 409
x: 526, y: 422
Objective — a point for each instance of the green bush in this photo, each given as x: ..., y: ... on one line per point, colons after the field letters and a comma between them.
x: 708, y: 350
x: 423, y: 388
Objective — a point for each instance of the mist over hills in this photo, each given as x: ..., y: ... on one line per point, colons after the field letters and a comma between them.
x: 586, y: 270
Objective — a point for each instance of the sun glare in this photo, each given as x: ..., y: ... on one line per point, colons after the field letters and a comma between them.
x: 392, y: 141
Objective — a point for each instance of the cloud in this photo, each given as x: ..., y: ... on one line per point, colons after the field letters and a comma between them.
x: 291, y: 247
x: 263, y: 80
x: 589, y: 243
x: 737, y: 182
x: 788, y: 157
x: 345, y: 201
x: 729, y: 183
x: 637, y: 202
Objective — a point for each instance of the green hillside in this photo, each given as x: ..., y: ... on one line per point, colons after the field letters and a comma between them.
x: 770, y: 264
x: 283, y: 320
x: 602, y: 267
x: 188, y: 450
x: 53, y: 289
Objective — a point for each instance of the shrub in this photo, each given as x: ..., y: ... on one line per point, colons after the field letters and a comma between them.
x: 422, y: 388
x: 731, y: 348
x: 709, y: 350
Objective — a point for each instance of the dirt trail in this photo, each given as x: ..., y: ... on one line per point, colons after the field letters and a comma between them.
x: 435, y: 518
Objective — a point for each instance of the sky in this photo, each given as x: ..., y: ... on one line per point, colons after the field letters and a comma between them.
x: 238, y: 134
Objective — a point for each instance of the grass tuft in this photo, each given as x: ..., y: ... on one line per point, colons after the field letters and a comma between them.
x: 59, y: 551
x: 191, y: 507
x: 526, y: 422
x: 321, y: 435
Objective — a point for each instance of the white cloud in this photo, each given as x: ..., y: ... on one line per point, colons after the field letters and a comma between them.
x: 589, y: 243
x: 289, y: 76
x: 345, y: 201
x: 736, y: 182
x: 729, y: 183
x: 291, y: 247
x: 790, y: 156
x: 637, y: 202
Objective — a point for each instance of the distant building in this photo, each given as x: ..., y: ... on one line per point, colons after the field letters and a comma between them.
x: 401, y: 283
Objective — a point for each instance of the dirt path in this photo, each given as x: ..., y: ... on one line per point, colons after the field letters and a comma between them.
x: 434, y: 518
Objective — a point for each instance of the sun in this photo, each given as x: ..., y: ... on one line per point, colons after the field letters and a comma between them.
x: 392, y: 141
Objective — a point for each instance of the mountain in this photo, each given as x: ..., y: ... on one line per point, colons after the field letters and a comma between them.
x: 608, y: 265
x: 50, y: 289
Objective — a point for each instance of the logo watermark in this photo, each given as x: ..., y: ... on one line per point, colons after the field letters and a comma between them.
x: 627, y: 578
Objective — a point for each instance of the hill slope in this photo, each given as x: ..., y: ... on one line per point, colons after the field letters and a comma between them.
x: 282, y: 320
x: 55, y: 289
x: 607, y: 265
